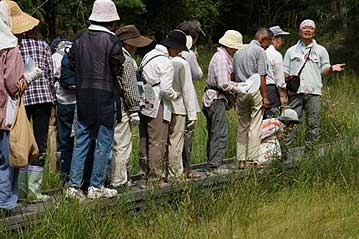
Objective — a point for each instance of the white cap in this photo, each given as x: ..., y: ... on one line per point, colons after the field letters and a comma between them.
x: 104, y: 11
x: 289, y: 115
x: 277, y: 31
x: 232, y: 39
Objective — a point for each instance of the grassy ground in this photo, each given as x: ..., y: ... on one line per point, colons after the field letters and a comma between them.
x: 319, y: 199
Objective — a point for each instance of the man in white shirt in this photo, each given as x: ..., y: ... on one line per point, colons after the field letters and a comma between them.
x: 158, y: 72
x: 276, y: 91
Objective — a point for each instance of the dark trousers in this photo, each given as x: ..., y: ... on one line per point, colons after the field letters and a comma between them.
x: 39, y: 114
x: 187, y: 146
x: 65, y: 142
x: 274, y: 100
x: 217, y: 132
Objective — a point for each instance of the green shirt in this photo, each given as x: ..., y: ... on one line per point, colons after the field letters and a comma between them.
x: 311, y: 76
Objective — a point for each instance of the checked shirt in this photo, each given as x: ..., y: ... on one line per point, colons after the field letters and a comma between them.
x: 42, y: 89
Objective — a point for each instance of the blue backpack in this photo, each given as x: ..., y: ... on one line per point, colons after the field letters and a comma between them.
x: 67, y: 79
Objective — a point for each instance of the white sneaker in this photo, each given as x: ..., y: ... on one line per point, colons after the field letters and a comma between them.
x: 75, y: 193
x: 101, y: 192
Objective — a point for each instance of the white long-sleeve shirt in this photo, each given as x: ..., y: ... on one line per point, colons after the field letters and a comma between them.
x: 159, y: 70
x: 187, y: 103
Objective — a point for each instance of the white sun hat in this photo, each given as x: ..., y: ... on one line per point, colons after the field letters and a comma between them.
x: 232, y: 39
x: 104, y: 11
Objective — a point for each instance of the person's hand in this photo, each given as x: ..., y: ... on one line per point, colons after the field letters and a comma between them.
x: 284, y: 101
x: 178, y: 95
x: 134, y: 119
x: 337, y: 67
x: 53, y: 116
x: 266, y: 103
x: 21, y: 86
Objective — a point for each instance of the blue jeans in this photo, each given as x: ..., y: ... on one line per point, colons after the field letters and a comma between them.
x: 8, y: 175
x: 65, y: 143
x: 102, y: 157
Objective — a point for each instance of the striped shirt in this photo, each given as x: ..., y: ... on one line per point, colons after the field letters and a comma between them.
x: 42, y: 89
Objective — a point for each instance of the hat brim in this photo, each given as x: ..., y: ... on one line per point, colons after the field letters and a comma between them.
x: 229, y: 44
x: 286, y: 119
x: 23, y: 23
x: 140, y: 41
x: 282, y: 34
x: 172, y: 44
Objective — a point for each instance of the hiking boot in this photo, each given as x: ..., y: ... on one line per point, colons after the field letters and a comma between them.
x: 101, y: 192
x: 75, y: 193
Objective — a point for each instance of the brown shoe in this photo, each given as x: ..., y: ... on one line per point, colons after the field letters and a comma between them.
x: 193, y: 174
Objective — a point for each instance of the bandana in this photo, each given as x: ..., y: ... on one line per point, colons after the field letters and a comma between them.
x: 307, y: 23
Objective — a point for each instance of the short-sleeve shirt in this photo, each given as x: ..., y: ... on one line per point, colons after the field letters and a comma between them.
x: 311, y: 76
x: 248, y: 61
x: 275, y: 67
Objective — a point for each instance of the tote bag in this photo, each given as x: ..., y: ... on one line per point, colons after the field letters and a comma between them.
x: 23, y: 147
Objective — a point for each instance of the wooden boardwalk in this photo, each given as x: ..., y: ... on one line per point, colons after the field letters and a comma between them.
x: 30, y: 213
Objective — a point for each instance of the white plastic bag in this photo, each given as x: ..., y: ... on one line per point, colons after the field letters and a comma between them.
x: 10, y: 111
x: 31, y: 71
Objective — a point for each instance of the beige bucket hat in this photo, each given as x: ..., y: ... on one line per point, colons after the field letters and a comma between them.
x: 21, y: 21
x: 104, y: 11
x: 232, y: 39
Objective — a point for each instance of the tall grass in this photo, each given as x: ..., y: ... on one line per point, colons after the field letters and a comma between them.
x: 317, y: 199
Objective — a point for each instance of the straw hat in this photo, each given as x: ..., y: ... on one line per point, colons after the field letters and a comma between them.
x: 131, y: 36
x: 21, y: 22
x: 232, y: 39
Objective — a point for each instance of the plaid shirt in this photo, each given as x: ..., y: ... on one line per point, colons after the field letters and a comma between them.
x: 41, y: 90
x: 130, y: 99
x: 219, y: 75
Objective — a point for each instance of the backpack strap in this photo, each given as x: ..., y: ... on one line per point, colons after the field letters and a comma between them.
x: 140, y: 69
x: 142, y: 66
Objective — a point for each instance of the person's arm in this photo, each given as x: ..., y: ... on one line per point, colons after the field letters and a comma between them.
x: 279, y: 78
x: 327, y: 69
x: 131, y: 94
x: 286, y: 64
x: 262, y: 71
x: 14, y: 71
x: 187, y: 91
x: 49, y: 72
x: 195, y: 67
x: 166, y: 72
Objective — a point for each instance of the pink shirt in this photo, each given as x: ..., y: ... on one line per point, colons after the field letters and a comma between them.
x: 11, y: 70
x: 219, y: 75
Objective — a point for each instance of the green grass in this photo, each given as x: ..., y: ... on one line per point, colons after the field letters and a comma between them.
x: 319, y: 199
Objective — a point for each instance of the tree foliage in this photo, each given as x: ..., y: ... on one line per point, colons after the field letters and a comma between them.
x: 156, y: 17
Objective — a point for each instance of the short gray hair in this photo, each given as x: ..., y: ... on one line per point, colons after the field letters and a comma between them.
x: 263, y: 32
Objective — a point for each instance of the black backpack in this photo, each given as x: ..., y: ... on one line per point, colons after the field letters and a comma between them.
x: 139, y: 74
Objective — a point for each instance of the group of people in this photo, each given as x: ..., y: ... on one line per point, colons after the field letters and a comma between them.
x: 94, y: 91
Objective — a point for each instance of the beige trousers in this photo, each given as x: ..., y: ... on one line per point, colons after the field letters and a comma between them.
x: 175, y: 145
x: 122, y: 148
x: 153, y: 145
x: 250, y: 117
